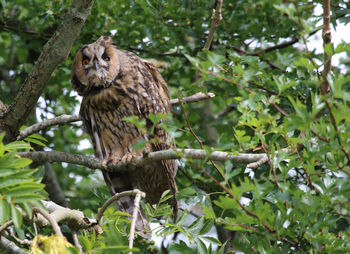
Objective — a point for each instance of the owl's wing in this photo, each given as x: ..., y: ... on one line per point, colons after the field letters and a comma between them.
x: 162, y: 105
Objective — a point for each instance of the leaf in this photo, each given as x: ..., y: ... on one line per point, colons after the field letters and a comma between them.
x: 211, y: 239
x: 202, y: 249
x: 207, y: 226
x: 35, y: 141
x: 4, y: 211
x: 13, y: 181
x: 16, y: 216
x: 17, y: 145
x: 197, y: 224
x: 28, y: 198
x: 30, y: 187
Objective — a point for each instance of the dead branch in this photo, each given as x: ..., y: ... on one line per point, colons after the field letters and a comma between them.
x: 50, y: 219
x: 75, y: 219
x: 66, y: 119
x: 135, y: 213
x: 54, y: 53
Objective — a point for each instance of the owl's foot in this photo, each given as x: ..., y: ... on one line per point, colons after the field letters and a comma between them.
x: 127, y: 158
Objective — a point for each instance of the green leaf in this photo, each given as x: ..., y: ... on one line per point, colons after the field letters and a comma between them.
x: 35, y: 141
x: 207, y: 226
x: 211, y: 239
x: 4, y: 211
x: 197, y: 224
x: 17, y: 145
x: 202, y: 249
x: 16, y: 216
x: 22, y: 189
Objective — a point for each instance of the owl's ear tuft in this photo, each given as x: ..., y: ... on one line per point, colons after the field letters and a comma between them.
x: 104, y: 41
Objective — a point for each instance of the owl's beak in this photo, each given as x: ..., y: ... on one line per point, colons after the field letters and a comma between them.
x: 96, y: 66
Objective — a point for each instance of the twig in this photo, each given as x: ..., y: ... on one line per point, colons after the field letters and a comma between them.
x: 94, y: 163
x: 135, y: 213
x: 66, y: 119
x: 193, y: 98
x: 6, y: 225
x: 48, y: 217
x: 25, y: 242
x: 117, y: 197
x: 10, y: 247
x: 215, y: 20
x: 200, y: 143
x: 76, y: 241
x: 60, y: 120
x: 327, y: 36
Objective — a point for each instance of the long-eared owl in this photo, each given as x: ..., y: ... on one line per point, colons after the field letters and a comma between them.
x: 115, y: 84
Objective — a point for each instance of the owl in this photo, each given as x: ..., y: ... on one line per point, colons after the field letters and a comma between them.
x: 116, y: 84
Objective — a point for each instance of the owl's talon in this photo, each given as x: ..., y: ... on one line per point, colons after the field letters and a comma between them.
x: 127, y: 158
x: 105, y: 162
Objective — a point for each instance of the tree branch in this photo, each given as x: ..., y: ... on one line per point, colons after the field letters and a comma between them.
x: 10, y: 247
x: 94, y: 163
x: 135, y: 213
x: 327, y: 36
x: 50, y: 219
x: 215, y: 20
x: 54, y: 53
x: 65, y: 119
x: 75, y: 219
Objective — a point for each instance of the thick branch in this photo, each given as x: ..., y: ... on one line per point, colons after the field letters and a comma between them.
x: 54, y: 53
x: 74, y: 218
x: 94, y: 163
x: 9, y: 247
x: 65, y: 119
x: 50, y: 219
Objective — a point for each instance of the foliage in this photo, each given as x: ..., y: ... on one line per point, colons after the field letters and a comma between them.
x: 266, y: 100
x: 20, y: 187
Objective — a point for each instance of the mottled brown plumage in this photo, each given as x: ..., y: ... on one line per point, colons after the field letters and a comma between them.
x: 116, y: 84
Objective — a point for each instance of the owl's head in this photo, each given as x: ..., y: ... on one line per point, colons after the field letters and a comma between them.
x: 95, y: 66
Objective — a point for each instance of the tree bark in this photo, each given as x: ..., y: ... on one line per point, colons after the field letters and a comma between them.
x: 54, y: 53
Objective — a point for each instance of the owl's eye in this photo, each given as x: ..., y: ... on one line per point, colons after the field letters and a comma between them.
x: 105, y: 57
x: 85, y: 61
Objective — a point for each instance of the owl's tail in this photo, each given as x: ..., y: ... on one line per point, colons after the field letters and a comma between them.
x: 116, y: 183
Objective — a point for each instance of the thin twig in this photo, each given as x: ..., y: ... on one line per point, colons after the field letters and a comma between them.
x: 52, y: 221
x: 215, y: 20
x: 327, y: 36
x: 25, y: 242
x: 200, y: 142
x: 6, y: 225
x: 76, y: 241
x: 135, y: 213
x: 117, y: 197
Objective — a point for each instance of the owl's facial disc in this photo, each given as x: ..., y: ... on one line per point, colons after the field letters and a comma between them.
x: 95, y: 62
